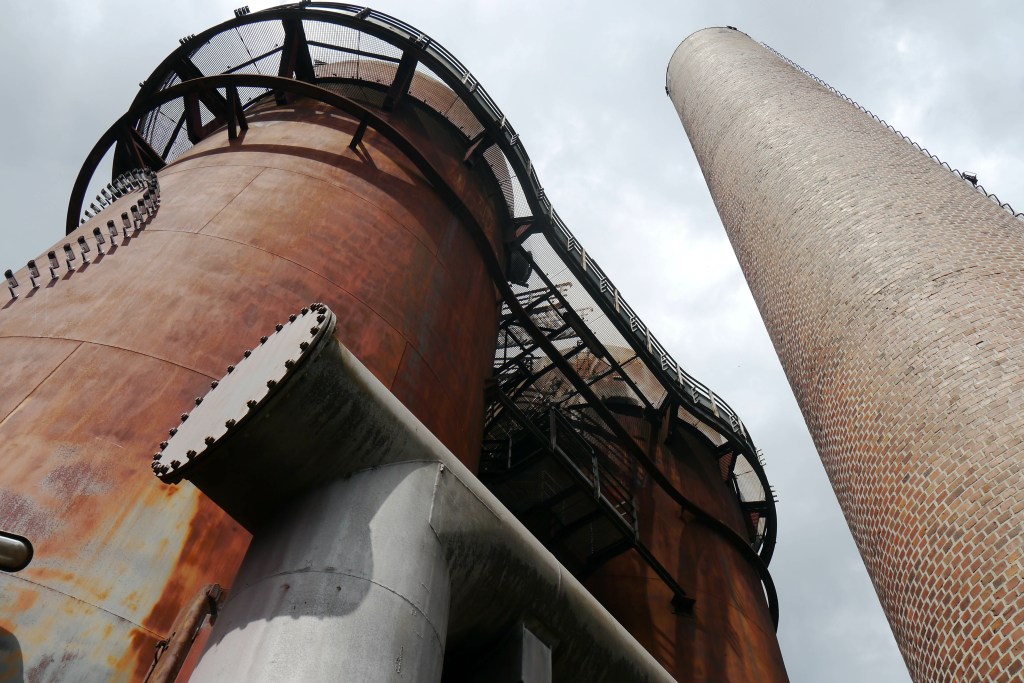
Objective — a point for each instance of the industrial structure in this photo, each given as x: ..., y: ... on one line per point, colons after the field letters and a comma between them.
x: 891, y: 286
x: 466, y: 459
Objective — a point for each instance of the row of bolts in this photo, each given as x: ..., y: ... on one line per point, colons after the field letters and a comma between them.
x: 141, y: 211
x: 316, y: 307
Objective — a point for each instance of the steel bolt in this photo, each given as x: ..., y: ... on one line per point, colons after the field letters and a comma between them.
x: 230, y: 423
x: 184, y: 416
x: 189, y: 454
x: 320, y: 318
x: 209, y: 440
x: 175, y: 464
x: 213, y: 384
x: 172, y: 431
x: 199, y: 399
x: 303, y: 345
x: 314, y: 329
x: 305, y: 311
x: 271, y: 383
x: 279, y: 327
x: 163, y: 445
x: 289, y: 363
x: 231, y: 368
x: 247, y: 354
x: 292, y: 318
x: 157, y: 456
x: 263, y: 340
x: 251, y: 403
x: 156, y: 467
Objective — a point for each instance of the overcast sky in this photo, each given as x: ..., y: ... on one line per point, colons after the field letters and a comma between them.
x: 583, y: 84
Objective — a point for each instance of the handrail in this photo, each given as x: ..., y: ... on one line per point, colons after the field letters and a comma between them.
x: 924, y: 150
x: 557, y: 232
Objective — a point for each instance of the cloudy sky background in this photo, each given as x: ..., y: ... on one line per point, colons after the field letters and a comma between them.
x: 583, y: 84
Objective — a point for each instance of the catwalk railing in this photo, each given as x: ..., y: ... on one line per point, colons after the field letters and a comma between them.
x: 965, y: 176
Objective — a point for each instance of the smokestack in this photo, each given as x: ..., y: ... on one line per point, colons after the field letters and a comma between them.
x: 891, y: 289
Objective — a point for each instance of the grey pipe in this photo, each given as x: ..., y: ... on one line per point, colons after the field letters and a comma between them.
x: 375, y: 550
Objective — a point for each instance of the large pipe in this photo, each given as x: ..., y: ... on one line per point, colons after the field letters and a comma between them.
x: 349, y: 583
x: 368, y: 533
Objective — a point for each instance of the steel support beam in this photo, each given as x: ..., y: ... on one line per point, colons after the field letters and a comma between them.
x: 214, y: 101
x: 295, y: 58
x: 133, y: 151
x: 236, y: 114
x: 193, y: 118
x: 403, y: 79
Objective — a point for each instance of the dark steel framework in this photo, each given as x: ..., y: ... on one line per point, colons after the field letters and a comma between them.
x: 560, y: 308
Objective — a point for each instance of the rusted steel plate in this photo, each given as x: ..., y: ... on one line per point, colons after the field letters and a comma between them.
x: 95, y: 645
x: 106, y: 540
x: 729, y: 636
x: 25, y: 366
x: 117, y: 347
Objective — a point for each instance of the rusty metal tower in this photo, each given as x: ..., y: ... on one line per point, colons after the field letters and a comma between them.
x: 467, y: 455
x: 891, y: 286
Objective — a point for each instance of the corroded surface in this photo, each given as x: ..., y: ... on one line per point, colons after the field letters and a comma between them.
x: 263, y: 371
x: 105, y: 358
x: 892, y: 291
x: 728, y: 635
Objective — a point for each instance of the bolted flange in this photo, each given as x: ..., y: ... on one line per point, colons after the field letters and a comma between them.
x: 238, y: 395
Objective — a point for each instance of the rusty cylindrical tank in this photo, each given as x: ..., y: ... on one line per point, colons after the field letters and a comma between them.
x: 101, y: 360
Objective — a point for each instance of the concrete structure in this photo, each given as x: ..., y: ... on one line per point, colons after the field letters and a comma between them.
x: 329, y: 153
x: 892, y: 291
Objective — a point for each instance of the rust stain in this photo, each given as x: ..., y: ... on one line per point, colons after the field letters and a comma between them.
x: 53, y: 669
x: 78, y: 479
x: 33, y: 520
x: 729, y: 635
x: 139, y: 655
x: 26, y: 599
x: 202, y: 542
x: 47, y: 575
x: 372, y: 240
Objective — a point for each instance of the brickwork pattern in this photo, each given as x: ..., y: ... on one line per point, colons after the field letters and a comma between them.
x: 894, y: 295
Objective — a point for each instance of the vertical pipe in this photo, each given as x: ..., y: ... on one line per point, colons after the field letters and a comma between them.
x: 348, y: 584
